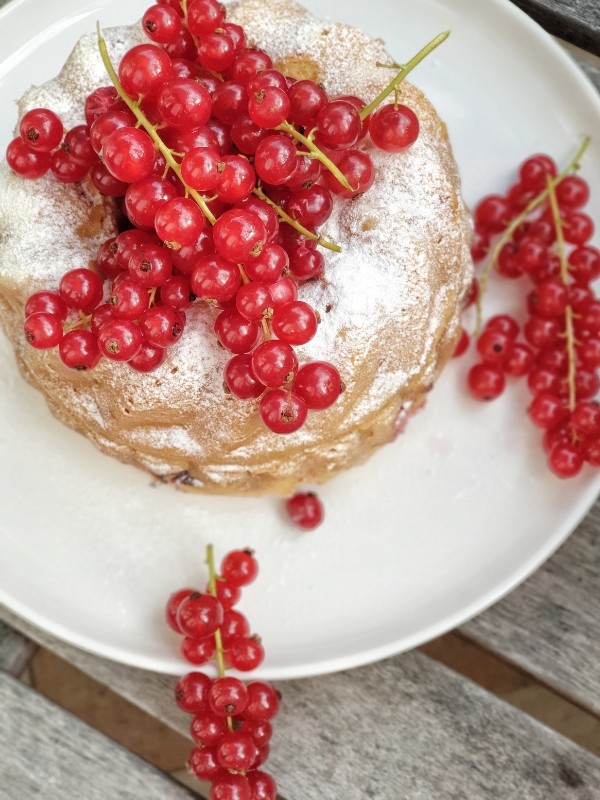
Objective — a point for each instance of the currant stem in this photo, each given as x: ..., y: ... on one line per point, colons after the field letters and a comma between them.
x: 408, y: 67
x: 564, y: 276
x: 314, y: 152
x: 295, y: 224
x: 150, y: 129
x: 212, y: 588
x: 507, y: 235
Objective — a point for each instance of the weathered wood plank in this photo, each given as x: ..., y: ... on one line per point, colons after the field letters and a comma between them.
x: 15, y: 650
x: 550, y: 626
x: 406, y: 727
x: 47, y: 752
x: 576, y: 21
x: 592, y: 70
x: 409, y: 728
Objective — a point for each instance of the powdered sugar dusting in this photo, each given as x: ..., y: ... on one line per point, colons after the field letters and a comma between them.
x: 385, y: 302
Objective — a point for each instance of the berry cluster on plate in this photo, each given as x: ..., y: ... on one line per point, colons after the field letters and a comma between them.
x: 231, y: 723
x: 539, y: 231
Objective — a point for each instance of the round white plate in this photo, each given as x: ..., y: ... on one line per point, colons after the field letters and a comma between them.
x: 432, y: 531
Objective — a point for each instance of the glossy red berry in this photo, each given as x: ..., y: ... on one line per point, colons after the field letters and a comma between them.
x: 239, y: 235
x: 547, y: 410
x: 248, y: 63
x: 144, y: 197
x: 236, y: 333
x: 128, y: 299
x: 282, y: 411
x: 184, y: 104
x: 234, y: 625
x: 41, y: 130
x: 262, y: 785
x: 162, y: 326
x: 179, y: 222
x: 203, y: 764
x: 519, y: 359
x: 81, y: 289
x: 120, y: 340
x: 245, y: 653
x: 305, y: 510
x: 318, y: 383
x: 43, y: 330
x: 191, y: 692
x: 228, y: 697
x: 239, y: 567
x: 230, y: 786
x: 394, y: 128
x: 240, y: 378
x: 204, y: 16
x: 173, y: 604
x: 295, y: 323
x: 143, y: 69
x: 263, y: 701
x: 274, y: 363
x: 198, y: 651
x: 161, y: 23
x: 493, y: 345
x: 535, y: 170
x: 128, y: 154
x: 565, y: 460
x: 199, y: 615
x: 486, y: 381
x: 207, y: 729
x: 338, y: 125
x: 268, y: 106
x: 307, y: 98
x: 492, y: 214
x: 462, y: 344
x: 48, y: 302
x: 275, y: 159
x: 79, y: 350
x: 572, y: 192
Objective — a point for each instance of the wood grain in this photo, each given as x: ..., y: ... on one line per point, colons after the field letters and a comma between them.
x: 404, y: 728
x: 576, y: 21
x: 47, y: 753
x: 550, y: 626
x: 15, y: 650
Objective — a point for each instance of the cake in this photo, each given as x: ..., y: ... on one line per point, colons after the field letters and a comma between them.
x: 389, y: 304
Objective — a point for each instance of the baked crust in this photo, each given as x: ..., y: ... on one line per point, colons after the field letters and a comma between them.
x: 389, y: 303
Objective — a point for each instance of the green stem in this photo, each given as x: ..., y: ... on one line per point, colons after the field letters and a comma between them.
x: 408, y: 67
x: 564, y: 276
x: 212, y: 588
x: 295, y: 224
x: 507, y: 235
x: 314, y: 152
x: 149, y: 128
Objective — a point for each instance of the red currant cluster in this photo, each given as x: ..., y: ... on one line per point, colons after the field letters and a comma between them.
x: 544, y: 235
x: 210, y: 149
x: 232, y: 720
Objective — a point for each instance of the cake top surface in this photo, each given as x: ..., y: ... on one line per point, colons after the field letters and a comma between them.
x: 381, y: 301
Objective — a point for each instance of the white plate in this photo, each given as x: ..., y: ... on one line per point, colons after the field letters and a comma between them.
x: 433, y: 530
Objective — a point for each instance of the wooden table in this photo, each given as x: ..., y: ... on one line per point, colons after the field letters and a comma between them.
x: 404, y: 729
